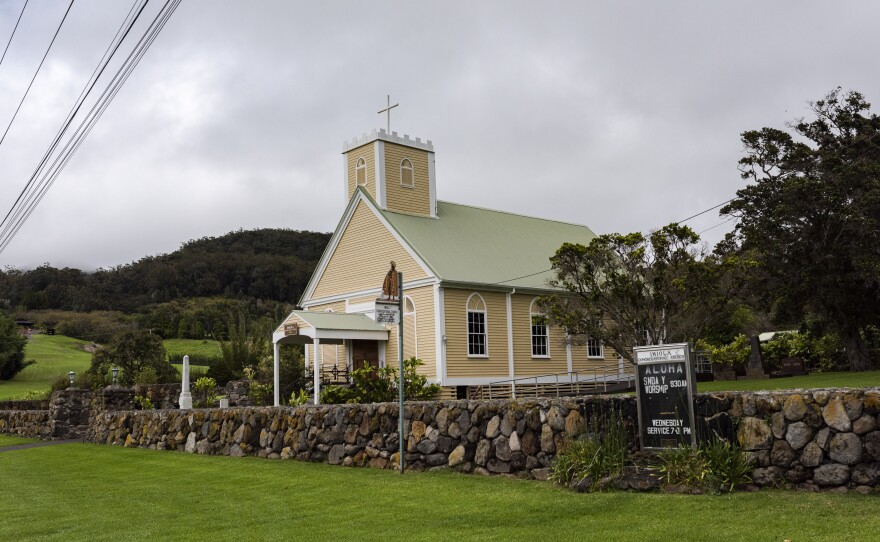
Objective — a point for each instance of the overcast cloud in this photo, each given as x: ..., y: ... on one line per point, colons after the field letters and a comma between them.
x: 622, y: 116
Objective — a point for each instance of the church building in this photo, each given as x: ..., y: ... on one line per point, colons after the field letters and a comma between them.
x: 471, y: 280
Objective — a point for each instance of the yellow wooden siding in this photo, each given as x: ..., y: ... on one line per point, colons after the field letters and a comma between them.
x: 458, y: 364
x: 580, y: 361
x: 361, y: 259
x: 523, y: 362
x: 331, y: 354
x: 423, y: 299
x: 363, y: 299
x: 400, y: 199
x: 368, y: 153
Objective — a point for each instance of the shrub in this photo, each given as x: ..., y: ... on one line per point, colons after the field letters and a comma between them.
x: 598, y: 454
x: 143, y: 403
x: 205, y: 387
x: 372, y: 385
x: 728, y: 355
x: 300, y: 399
x: 260, y: 393
x: 714, y: 466
x: 336, y: 395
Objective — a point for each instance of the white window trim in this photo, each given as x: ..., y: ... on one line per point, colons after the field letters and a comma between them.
x: 532, y: 314
x: 415, y: 323
x: 357, y: 167
x: 601, y: 350
x: 485, y: 312
x: 412, y: 174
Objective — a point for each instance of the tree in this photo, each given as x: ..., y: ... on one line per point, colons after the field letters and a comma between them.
x: 812, y: 217
x: 136, y: 353
x: 11, y: 348
x: 630, y: 290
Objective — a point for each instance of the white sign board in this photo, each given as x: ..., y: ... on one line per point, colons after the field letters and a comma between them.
x: 387, y: 312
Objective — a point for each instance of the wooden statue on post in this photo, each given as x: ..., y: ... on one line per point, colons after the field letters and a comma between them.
x: 389, y: 286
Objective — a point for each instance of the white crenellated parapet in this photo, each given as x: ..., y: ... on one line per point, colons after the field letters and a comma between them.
x: 393, y: 137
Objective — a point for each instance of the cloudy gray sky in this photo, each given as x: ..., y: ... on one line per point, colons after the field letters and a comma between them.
x: 622, y: 116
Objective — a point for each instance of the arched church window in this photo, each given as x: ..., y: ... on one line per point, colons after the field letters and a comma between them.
x: 410, y: 331
x: 406, y: 173
x: 360, y: 169
x: 476, y: 326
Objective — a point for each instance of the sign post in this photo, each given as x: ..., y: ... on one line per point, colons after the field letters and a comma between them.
x: 665, y: 390
x: 400, y: 361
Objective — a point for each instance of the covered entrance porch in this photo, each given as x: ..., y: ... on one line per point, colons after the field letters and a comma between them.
x: 363, y: 337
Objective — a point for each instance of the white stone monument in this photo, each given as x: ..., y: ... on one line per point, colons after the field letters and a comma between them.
x: 186, y: 398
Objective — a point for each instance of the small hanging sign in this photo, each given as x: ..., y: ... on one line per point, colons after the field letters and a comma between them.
x: 387, y: 312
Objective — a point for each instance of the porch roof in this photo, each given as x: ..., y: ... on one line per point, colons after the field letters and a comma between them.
x: 329, y: 326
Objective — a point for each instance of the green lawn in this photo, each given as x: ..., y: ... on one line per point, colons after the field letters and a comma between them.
x: 10, y: 440
x: 92, y: 492
x: 55, y: 356
x: 192, y: 347
x: 815, y: 380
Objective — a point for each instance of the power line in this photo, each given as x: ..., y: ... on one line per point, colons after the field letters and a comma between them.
x: 523, y: 277
x: 36, y: 72
x: 704, y: 212
x: 90, y: 84
x: 73, y: 143
x: 13, y: 31
x: 715, y: 226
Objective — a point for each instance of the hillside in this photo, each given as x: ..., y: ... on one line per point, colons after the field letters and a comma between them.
x: 267, y: 264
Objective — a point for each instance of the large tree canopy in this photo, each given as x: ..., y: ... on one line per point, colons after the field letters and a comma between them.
x: 812, y: 217
x: 630, y: 290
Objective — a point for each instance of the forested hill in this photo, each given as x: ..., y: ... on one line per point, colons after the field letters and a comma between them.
x: 266, y: 264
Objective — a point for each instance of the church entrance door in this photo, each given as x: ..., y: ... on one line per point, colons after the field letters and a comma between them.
x: 364, y: 353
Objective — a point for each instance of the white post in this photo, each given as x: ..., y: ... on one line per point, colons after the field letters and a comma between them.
x: 316, y: 373
x: 186, y: 398
x: 276, y: 383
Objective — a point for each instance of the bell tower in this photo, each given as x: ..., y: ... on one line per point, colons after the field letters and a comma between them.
x: 397, y: 172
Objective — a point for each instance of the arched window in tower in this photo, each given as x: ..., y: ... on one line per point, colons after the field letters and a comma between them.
x: 410, y: 331
x: 476, y: 326
x: 360, y: 170
x: 406, y: 174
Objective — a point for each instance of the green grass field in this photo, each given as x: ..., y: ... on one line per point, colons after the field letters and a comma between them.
x: 815, y: 380
x: 92, y: 492
x: 55, y: 356
x: 182, y: 347
x: 10, y: 440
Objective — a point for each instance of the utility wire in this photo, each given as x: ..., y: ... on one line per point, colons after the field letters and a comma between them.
x: 36, y: 72
x: 90, y: 84
x: 91, y: 118
x: 13, y: 31
x: 704, y: 212
x: 715, y: 226
x: 679, y: 222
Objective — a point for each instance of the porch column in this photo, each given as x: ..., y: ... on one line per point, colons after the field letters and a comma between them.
x: 276, y: 385
x: 316, y: 373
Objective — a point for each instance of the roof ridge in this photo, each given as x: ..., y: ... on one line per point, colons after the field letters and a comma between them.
x: 521, y: 215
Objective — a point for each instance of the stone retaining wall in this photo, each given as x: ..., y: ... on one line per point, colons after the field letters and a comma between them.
x: 819, y: 438
x: 26, y: 423
x: 809, y: 439
x: 31, y: 404
x: 498, y: 437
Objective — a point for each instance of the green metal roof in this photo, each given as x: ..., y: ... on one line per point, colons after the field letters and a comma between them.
x: 339, y: 321
x: 481, y: 246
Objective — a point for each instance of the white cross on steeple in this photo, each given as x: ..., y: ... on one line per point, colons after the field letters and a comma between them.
x: 388, y: 110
